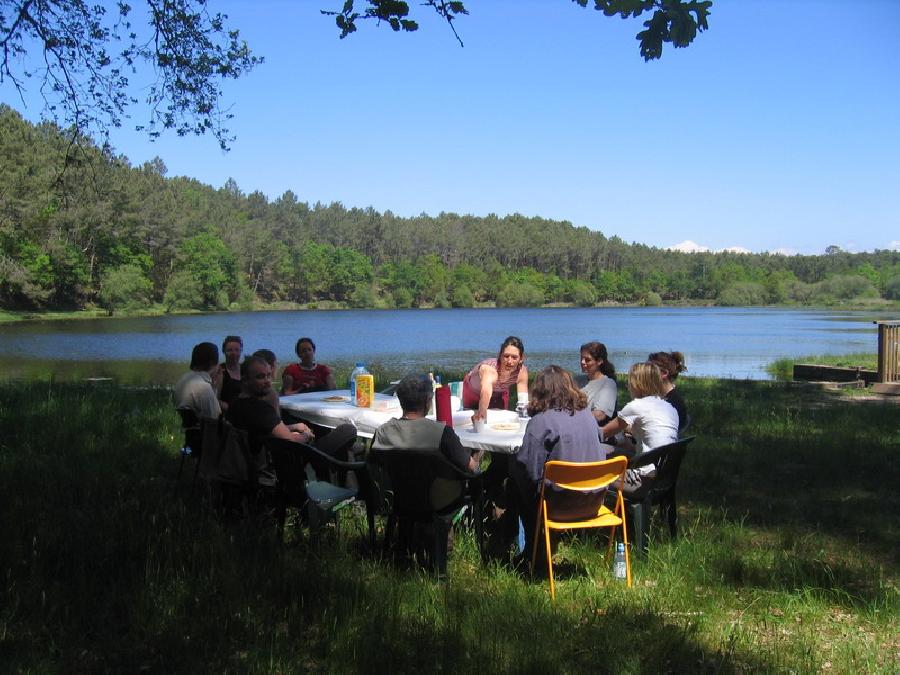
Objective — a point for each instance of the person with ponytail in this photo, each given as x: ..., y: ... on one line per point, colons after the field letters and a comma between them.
x: 670, y: 364
x: 601, y: 390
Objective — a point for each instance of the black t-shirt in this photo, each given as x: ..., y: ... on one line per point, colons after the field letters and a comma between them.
x: 256, y: 416
x: 674, y: 398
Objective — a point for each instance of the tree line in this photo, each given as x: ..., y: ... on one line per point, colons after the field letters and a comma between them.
x: 86, y: 228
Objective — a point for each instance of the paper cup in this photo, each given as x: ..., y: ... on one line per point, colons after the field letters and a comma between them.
x: 479, y: 425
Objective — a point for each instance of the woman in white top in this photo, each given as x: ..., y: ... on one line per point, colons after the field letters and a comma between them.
x: 651, y: 419
x: 648, y: 416
x: 601, y: 390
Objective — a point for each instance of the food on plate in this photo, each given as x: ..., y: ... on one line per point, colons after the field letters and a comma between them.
x: 505, y: 426
x: 336, y: 399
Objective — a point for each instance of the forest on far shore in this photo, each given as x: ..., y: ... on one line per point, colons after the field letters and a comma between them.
x: 82, y: 228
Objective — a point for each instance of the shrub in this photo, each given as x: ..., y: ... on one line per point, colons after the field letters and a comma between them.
x: 742, y: 293
x: 892, y: 288
x: 403, y: 298
x: 651, y: 299
x: 462, y: 297
x: 520, y: 294
x: 124, y: 288
x: 583, y: 294
x: 846, y: 287
x: 183, y: 292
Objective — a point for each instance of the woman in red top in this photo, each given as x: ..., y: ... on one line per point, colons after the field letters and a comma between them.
x: 306, y: 375
x: 487, y: 385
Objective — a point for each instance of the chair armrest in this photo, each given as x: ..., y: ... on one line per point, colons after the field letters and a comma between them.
x: 333, y: 461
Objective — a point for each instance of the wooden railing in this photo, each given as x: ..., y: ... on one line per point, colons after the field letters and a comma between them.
x: 888, y: 351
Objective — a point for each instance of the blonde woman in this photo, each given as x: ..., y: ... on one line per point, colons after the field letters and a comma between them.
x: 648, y: 417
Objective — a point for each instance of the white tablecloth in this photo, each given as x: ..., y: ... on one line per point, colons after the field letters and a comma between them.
x: 315, y: 409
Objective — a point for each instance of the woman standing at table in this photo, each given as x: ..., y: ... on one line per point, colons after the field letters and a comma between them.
x: 307, y: 375
x: 230, y: 379
x: 601, y: 390
x: 561, y: 428
x: 487, y: 385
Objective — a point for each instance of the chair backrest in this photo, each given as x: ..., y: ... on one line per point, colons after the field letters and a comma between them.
x: 584, y: 476
x: 290, y: 468
x: 235, y: 464
x: 189, y: 419
x: 667, y: 459
x: 212, y: 432
x: 410, y: 475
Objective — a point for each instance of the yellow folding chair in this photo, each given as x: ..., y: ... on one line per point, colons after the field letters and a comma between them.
x: 588, y: 477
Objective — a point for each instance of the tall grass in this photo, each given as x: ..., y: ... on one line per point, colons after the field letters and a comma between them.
x: 783, y: 369
x: 788, y: 558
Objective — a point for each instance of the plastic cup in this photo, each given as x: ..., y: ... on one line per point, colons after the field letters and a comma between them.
x: 478, y: 425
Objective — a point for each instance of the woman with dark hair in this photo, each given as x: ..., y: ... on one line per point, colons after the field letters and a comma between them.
x: 601, y: 390
x: 561, y: 428
x: 487, y: 385
x: 230, y: 375
x: 670, y: 364
x: 307, y: 375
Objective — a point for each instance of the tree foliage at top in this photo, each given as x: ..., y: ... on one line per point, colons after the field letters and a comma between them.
x: 83, y: 58
x: 675, y: 22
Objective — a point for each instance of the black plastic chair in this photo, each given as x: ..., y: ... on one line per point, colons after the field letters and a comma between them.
x: 193, y: 441
x: 293, y: 487
x: 659, y: 490
x: 408, y: 487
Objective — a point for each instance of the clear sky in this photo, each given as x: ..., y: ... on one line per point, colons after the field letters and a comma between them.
x: 778, y: 129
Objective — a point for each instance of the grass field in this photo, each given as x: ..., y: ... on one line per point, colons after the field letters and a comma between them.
x: 788, y: 558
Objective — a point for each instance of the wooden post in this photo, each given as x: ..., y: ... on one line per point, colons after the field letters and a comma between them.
x: 888, y: 351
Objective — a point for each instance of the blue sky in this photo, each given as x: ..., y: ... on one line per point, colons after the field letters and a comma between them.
x: 778, y: 129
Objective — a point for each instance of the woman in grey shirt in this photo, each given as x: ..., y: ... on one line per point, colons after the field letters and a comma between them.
x: 601, y: 390
x: 562, y: 428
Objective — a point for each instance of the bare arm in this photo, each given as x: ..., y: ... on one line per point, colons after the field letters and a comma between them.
x: 287, y: 433
x: 522, y: 381
x: 329, y: 382
x: 612, y: 428
x: 287, y: 384
x: 488, y: 377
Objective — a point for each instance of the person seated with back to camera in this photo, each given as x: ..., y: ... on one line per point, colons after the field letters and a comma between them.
x: 196, y: 389
x: 648, y: 417
x: 414, y: 431
x: 253, y: 412
x: 561, y: 428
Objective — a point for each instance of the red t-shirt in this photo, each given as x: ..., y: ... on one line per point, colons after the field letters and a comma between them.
x: 308, y: 379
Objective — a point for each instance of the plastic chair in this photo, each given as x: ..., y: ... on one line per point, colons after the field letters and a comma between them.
x: 660, y: 490
x: 584, y: 477
x: 412, y: 481
x: 293, y: 488
x: 193, y: 440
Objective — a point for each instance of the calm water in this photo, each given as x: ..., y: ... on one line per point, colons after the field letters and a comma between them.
x: 720, y: 342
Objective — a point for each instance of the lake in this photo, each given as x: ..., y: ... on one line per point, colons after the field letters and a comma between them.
x: 717, y: 341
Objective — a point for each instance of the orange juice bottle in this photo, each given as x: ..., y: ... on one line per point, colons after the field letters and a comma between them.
x: 365, y: 390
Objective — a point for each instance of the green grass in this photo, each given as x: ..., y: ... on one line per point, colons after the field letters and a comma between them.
x: 788, y: 558
x: 783, y: 369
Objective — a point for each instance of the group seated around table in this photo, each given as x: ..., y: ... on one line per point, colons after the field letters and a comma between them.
x: 414, y: 431
x: 306, y: 375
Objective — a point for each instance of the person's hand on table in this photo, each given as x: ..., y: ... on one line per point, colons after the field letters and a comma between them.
x: 304, y: 433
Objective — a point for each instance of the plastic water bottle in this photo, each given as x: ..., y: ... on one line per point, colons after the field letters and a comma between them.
x: 359, y: 370
x: 619, y: 571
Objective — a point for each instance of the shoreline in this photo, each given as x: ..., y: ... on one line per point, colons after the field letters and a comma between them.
x: 16, y: 316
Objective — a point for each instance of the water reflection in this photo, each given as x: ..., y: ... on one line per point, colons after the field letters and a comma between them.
x: 718, y: 342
